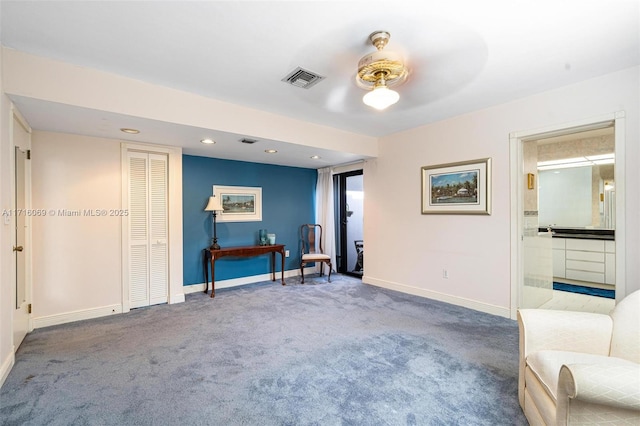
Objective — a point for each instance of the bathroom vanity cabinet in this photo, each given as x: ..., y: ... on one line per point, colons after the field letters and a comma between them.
x: 584, y: 257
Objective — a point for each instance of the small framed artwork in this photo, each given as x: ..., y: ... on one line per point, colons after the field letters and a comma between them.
x: 239, y: 203
x: 457, y: 188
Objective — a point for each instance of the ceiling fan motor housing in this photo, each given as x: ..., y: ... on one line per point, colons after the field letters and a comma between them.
x: 378, y: 64
x: 381, y: 65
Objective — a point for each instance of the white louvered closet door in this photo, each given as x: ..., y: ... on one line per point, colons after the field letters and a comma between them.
x: 148, y: 250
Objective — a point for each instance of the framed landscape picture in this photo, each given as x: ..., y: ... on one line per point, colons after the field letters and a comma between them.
x: 457, y: 188
x: 239, y: 203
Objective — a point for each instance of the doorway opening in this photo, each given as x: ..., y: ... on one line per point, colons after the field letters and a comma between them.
x: 349, y: 201
x: 568, y: 212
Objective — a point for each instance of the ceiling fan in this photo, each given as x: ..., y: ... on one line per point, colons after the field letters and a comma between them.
x: 380, y: 70
x: 422, y: 66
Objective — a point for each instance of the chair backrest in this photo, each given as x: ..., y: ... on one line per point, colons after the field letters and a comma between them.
x: 311, y: 238
x: 625, y: 340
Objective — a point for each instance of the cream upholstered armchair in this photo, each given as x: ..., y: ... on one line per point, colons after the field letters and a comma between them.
x: 581, y: 368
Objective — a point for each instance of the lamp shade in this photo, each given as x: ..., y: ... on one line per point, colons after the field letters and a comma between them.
x: 381, y: 97
x: 214, y: 204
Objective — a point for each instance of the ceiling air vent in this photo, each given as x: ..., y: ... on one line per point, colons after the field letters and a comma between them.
x: 248, y: 141
x: 302, y: 78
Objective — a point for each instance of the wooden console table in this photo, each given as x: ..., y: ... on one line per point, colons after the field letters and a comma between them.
x: 210, y: 256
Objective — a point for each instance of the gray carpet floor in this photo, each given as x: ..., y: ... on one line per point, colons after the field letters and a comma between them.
x: 339, y: 353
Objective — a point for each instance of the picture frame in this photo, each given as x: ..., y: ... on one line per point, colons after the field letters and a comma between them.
x: 240, y: 203
x: 457, y: 188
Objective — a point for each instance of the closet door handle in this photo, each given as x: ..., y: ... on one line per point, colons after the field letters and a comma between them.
x: 18, y: 248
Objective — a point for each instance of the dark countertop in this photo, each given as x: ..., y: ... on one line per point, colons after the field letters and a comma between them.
x: 581, y: 233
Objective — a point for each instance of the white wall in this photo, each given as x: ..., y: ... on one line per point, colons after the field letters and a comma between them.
x: 77, y: 260
x: 408, y: 251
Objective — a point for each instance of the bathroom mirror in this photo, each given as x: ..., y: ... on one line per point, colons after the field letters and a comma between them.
x: 576, y: 180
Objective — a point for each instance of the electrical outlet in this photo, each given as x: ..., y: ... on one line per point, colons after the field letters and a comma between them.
x: 445, y: 274
x: 286, y: 253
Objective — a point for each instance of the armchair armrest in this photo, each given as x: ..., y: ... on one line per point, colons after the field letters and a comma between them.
x: 542, y: 329
x: 613, y: 390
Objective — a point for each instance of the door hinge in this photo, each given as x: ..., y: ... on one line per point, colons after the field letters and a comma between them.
x: 29, y: 308
x: 28, y: 154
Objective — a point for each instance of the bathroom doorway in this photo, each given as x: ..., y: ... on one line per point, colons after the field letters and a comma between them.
x: 542, y: 231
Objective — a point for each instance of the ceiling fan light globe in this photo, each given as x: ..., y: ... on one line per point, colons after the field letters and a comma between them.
x: 381, y: 98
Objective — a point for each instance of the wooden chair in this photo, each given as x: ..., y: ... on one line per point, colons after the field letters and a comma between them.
x: 311, y: 249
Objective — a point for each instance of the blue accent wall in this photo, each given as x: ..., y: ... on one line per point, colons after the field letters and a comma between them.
x: 288, y: 201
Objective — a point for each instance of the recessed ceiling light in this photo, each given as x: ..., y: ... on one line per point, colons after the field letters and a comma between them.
x: 130, y: 131
x: 208, y: 141
x: 270, y: 151
x: 315, y: 157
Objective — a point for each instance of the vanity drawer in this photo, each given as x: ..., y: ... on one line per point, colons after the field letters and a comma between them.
x: 593, y: 277
x: 585, y: 266
x: 585, y: 245
x: 589, y: 256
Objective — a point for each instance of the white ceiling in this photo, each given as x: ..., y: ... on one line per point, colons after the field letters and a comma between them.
x: 463, y: 56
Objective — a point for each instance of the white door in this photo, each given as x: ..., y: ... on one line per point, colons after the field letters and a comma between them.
x: 21, y: 221
x: 148, y: 214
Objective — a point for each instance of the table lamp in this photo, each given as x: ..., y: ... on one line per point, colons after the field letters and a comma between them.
x: 214, y: 206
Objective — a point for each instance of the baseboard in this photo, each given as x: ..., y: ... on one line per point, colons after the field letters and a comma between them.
x: 67, y: 317
x: 235, y: 282
x: 442, y: 297
x: 85, y: 314
x: 7, y: 365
